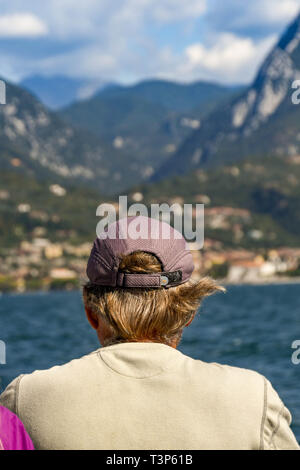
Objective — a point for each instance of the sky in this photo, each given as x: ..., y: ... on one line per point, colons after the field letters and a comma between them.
x: 130, y: 40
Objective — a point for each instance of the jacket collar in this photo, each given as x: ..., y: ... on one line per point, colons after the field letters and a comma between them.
x: 140, y: 360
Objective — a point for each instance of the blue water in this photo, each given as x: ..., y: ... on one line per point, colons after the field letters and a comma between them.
x: 249, y: 326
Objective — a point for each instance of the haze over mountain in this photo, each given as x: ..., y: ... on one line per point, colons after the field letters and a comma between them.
x: 261, y: 121
x: 58, y: 91
x: 148, y: 120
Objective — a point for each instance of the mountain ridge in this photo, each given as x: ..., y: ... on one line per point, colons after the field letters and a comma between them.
x: 58, y: 91
x: 247, y: 124
x: 148, y: 120
x: 37, y: 141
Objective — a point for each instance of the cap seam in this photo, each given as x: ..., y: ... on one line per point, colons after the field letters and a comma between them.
x: 179, y: 257
x: 110, y: 249
x: 100, y: 260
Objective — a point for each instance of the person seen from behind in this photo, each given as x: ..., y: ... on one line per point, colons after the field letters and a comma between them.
x: 138, y: 391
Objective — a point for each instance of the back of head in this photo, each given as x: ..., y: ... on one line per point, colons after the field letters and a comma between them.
x: 151, y: 314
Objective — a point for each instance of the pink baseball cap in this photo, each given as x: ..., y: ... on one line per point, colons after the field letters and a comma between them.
x: 139, y: 233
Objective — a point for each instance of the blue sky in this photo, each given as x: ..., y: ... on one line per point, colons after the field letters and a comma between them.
x: 130, y: 40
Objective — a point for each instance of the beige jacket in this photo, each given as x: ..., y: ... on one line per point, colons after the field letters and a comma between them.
x: 149, y: 396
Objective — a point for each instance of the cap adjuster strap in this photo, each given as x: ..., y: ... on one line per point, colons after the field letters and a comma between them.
x: 148, y: 279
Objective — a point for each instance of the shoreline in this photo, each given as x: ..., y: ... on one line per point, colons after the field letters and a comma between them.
x: 262, y: 282
x: 225, y: 282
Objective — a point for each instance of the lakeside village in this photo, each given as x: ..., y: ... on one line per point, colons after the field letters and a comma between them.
x: 41, y: 264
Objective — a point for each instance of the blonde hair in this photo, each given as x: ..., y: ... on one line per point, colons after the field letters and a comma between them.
x: 154, y: 314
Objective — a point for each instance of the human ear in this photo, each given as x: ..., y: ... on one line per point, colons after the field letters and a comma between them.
x: 92, y: 318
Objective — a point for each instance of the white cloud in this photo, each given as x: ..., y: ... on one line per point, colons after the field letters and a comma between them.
x: 276, y: 11
x: 114, y: 37
x: 128, y: 40
x: 263, y: 15
x: 92, y: 62
x: 91, y: 18
x: 21, y: 25
x: 230, y: 58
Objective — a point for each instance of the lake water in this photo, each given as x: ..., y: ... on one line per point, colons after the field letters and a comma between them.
x: 249, y: 326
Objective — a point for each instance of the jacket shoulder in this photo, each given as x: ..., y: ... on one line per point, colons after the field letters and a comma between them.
x: 233, y: 388
x: 234, y: 374
x: 251, y: 396
x: 56, y: 377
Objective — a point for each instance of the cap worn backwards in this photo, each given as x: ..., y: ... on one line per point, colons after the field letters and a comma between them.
x: 139, y: 233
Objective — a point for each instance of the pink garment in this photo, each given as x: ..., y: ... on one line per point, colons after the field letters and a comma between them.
x: 13, y: 435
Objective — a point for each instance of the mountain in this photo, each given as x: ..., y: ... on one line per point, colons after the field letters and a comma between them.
x: 252, y: 203
x: 32, y: 208
x: 261, y: 120
x: 37, y: 142
x: 59, y: 91
x: 180, y: 97
x: 148, y: 120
